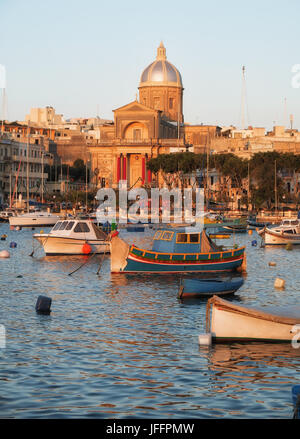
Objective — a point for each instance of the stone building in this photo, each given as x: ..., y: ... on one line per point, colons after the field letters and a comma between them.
x: 22, y: 160
x: 152, y: 124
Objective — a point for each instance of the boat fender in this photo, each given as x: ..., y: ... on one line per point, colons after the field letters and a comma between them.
x: 205, y: 339
x: 289, y: 246
x: 4, y: 254
x: 279, y: 283
x: 254, y: 243
x: 114, y: 234
x: 250, y: 232
x: 86, y: 248
x: 43, y: 305
x: 13, y: 244
x: 12, y: 227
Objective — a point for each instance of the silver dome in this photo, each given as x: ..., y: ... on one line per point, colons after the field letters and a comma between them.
x: 161, y: 71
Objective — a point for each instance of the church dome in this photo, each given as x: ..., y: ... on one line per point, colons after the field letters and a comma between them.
x: 161, y: 71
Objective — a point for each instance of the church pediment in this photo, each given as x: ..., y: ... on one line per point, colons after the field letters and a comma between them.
x: 135, y: 107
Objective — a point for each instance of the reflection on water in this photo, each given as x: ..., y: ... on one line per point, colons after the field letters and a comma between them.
x: 118, y: 346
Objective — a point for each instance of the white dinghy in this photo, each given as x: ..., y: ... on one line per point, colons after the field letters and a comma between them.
x: 227, y: 321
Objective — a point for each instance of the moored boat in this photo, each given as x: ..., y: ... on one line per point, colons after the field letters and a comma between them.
x: 208, y: 287
x: 74, y: 237
x: 34, y: 219
x: 180, y: 250
x: 227, y: 322
x: 5, y: 215
x: 288, y: 232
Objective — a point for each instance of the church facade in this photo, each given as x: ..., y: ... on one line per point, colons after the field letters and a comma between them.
x: 144, y: 128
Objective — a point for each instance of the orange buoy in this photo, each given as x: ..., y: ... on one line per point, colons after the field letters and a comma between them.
x: 86, y: 248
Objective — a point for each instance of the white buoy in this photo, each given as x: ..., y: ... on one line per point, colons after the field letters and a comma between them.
x: 205, y: 339
x: 279, y: 283
x: 4, y: 254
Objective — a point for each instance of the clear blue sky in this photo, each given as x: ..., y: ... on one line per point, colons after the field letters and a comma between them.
x: 82, y: 55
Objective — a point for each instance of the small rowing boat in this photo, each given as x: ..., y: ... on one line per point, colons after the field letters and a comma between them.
x: 228, y: 322
x: 208, y: 287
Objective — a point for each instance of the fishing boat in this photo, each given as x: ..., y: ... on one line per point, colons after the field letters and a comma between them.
x: 73, y: 237
x: 208, y: 287
x: 179, y: 250
x: 34, y: 219
x: 288, y: 232
x: 227, y: 321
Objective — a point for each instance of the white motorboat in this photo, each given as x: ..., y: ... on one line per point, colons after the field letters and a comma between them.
x: 288, y: 232
x: 6, y: 214
x: 227, y: 321
x: 74, y: 237
x: 34, y: 219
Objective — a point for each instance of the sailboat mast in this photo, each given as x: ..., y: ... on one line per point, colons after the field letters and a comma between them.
x: 27, y: 171
x: 275, y: 189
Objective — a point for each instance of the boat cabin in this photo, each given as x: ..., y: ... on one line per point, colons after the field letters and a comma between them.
x: 291, y: 226
x: 79, y: 229
x: 183, y: 240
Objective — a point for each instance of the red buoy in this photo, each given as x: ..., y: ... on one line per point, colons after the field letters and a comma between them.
x: 86, y: 249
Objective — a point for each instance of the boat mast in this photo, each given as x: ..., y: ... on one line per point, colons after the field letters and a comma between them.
x: 27, y: 171
x: 275, y: 189
x: 248, y: 184
x: 207, y: 169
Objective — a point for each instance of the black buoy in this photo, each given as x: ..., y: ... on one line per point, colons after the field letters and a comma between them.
x: 43, y: 305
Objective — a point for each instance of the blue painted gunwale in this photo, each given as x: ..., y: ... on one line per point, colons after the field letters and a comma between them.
x: 139, y: 260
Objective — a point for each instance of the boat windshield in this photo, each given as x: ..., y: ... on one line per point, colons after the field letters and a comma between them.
x: 57, y: 225
x: 63, y: 225
x: 70, y: 225
x: 81, y: 227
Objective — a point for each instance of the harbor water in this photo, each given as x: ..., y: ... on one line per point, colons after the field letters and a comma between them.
x: 124, y: 346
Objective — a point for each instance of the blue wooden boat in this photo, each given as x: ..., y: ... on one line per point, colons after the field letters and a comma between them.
x: 182, y: 250
x: 208, y: 287
x: 296, y: 401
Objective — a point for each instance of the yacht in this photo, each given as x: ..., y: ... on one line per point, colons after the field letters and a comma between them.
x: 34, y: 219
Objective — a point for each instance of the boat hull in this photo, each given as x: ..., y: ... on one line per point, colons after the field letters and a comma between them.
x: 236, y: 323
x: 33, y: 222
x: 69, y: 246
x: 208, y: 287
x: 131, y: 259
x: 274, y: 238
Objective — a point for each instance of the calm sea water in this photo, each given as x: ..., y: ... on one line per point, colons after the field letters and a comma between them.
x: 124, y: 346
